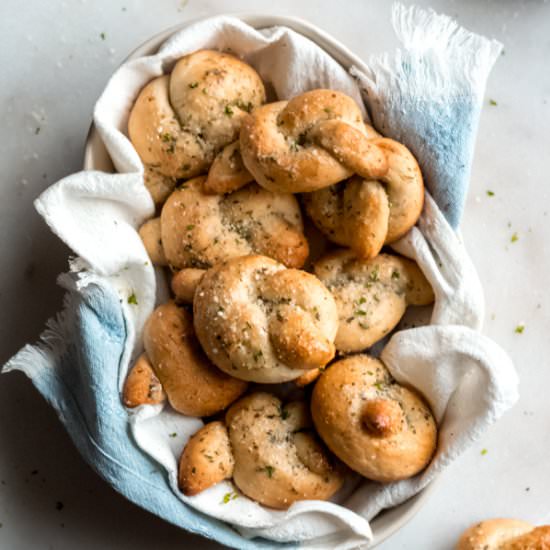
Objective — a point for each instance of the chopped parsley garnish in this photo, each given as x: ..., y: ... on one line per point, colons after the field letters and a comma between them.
x: 229, y: 496
x: 493, y: 102
x: 373, y: 276
x: 490, y: 193
x: 378, y: 386
x: 519, y: 329
x: 228, y: 110
x: 395, y: 275
x: 193, y: 85
x: 360, y: 312
x: 166, y: 137
x: 514, y: 238
x: 361, y: 300
x: 284, y: 414
x: 245, y: 106
x: 257, y: 355
x: 269, y: 471
x: 190, y: 227
x: 132, y: 299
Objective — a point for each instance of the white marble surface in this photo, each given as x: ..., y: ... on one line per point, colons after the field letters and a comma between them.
x: 56, y: 57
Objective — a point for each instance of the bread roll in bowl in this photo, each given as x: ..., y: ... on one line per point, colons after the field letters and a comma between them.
x: 312, y: 141
x: 261, y: 322
x: 206, y: 460
x: 228, y: 172
x: 184, y: 283
x: 278, y: 459
x: 200, y: 230
x: 194, y: 386
x: 180, y: 121
x: 142, y: 387
x: 366, y: 214
x: 371, y: 295
x: 380, y: 429
x: 505, y: 534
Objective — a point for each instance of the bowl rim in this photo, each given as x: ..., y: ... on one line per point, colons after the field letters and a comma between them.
x: 96, y: 157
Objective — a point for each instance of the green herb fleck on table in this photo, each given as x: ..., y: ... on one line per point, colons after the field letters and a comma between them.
x: 490, y: 193
x: 484, y: 452
x: 493, y: 103
x: 519, y: 329
x: 269, y: 471
x: 37, y: 131
x: 132, y: 299
x: 173, y: 434
x: 514, y: 238
x: 103, y: 36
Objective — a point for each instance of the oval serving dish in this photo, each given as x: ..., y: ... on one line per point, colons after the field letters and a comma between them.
x: 96, y: 157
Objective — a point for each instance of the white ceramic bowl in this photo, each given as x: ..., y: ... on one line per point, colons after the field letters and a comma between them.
x: 97, y: 158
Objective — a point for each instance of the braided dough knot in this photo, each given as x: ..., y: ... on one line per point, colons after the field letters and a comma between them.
x: 180, y: 121
x: 261, y: 322
x: 199, y: 230
x: 312, y: 141
x: 364, y: 214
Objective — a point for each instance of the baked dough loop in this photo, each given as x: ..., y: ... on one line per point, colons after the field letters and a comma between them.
x: 365, y: 214
x: 180, y: 121
x: 312, y: 141
x: 184, y: 283
x: 142, y: 387
x: 380, y: 429
x: 228, y: 172
x: 193, y: 385
x: 261, y: 322
x: 200, y: 230
x: 278, y: 459
x: 371, y: 295
x: 206, y: 460
x: 505, y: 534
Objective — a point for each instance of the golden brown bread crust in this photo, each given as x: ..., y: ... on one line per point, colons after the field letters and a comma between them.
x: 194, y: 386
x: 180, y: 121
x: 278, y: 459
x: 184, y: 283
x: 158, y: 185
x: 151, y: 237
x: 351, y: 213
x: 308, y: 377
x: 142, y: 387
x: 206, y: 460
x: 201, y: 230
x: 537, y: 539
x: 228, y: 172
x: 505, y: 534
x: 312, y: 141
x: 378, y: 428
x: 371, y: 295
x: 366, y: 214
x: 261, y: 322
